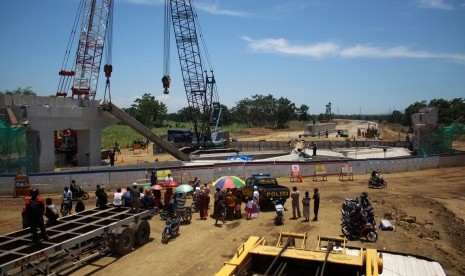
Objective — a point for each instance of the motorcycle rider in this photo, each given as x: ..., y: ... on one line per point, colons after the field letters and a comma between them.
x: 364, y: 202
x: 356, y: 217
x: 376, y: 178
x: 67, y: 199
x: 74, y: 188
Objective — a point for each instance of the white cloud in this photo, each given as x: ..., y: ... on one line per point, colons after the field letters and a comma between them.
x: 281, y: 45
x: 436, y: 4
x: 328, y: 49
x: 215, y: 9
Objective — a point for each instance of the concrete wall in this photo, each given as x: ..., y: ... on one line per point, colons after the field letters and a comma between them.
x: 44, y: 115
x: 114, y: 177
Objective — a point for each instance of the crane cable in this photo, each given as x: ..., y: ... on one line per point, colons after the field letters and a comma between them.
x: 65, y: 82
x: 108, y: 68
x: 166, y: 79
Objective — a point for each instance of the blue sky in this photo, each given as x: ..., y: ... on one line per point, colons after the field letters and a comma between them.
x: 368, y: 56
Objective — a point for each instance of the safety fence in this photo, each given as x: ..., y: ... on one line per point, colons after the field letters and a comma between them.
x: 321, y: 144
x: 114, y: 177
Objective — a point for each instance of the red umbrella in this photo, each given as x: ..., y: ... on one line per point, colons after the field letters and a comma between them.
x: 170, y: 184
x: 157, y: 187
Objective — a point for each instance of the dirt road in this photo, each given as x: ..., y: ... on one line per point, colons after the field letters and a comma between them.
x: 433, y: 199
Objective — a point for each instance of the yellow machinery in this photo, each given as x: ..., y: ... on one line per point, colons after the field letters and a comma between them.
x: 288, y: 257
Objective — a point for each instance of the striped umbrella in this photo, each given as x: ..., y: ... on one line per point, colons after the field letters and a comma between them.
x: 228, y: 182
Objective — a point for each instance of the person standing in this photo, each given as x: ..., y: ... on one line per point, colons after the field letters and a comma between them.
x: 249, y: 207
x: 153, y: 178
x: 316, y: 203
x: 35, y: 209
x: 167, y: 196
x: 111, y: 154
x: 102, y: 198
x: 80, y: 207
x: 169, y: 178
x: 256, y: 203
x: 204, y: 199
x: 135, y: 198
x: 306, y: 206
x: 295, y: 202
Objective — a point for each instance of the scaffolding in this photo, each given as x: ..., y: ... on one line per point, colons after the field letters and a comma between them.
x: 441, y: 140
x: 15, y: 153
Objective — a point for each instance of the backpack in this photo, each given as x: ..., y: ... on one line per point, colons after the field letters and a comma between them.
x: 35, y: 209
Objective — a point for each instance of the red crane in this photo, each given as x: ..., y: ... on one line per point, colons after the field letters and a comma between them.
x: 96, y: 29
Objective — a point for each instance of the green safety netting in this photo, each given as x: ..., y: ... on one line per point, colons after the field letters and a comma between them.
x: 15, y: 153
x: 440, y: 141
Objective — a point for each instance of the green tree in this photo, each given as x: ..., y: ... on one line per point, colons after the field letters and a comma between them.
x: 22, y: 91
x: 302, y: 112
x: 395, y: 117
x: 148, y: 111
x: 410, y: 110
x: 285, y: 112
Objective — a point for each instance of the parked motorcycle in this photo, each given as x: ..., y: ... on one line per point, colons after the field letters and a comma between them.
x: 360, y: 229
x: 279, y: 219
x: 171, y: 229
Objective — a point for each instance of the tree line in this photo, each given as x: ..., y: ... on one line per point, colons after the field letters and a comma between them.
x: 269, y: 112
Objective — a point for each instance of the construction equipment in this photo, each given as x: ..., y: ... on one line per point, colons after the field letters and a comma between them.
x: 371, y: 132
x: 331, y: 257
x: 74, y: 240
x: 95, y: 30
x: 199, y: 84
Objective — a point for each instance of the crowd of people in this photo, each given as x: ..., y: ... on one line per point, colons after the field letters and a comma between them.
x: 227, y: 203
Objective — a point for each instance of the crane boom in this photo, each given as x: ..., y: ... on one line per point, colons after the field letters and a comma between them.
x: 200, y: 85
x: 96, y: 15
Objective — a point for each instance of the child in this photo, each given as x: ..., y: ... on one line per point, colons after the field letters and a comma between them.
x: 249, y: 207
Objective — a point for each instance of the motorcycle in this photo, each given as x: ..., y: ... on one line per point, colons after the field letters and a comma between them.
x: 195, y: 206
x: 171, y: 229
x: 377, y: 183
x: 169, y: 212
x: 187, y: 216
x: 279, y: 219
x: 376, y: 180
x: 79, y: 193
x: 362, y: 229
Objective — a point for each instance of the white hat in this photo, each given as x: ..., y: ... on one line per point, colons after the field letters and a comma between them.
x: 254, y: 187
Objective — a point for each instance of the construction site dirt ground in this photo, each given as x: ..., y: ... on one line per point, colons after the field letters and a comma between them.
x: 431, y: 200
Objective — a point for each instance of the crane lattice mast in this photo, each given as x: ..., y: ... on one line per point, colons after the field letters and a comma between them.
x: 199, y: 84
x: 96, y: 15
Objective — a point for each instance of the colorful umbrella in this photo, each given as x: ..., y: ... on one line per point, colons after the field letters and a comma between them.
x: 157, y: 187
x: 184, y: 188
x: 169, y: 184
x: 228, y: 182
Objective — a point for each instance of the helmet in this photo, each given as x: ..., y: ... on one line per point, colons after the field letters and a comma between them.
x: 364, y: 195
x: 73, y: 181
x: 147, y: 191
x: 34, y: 192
